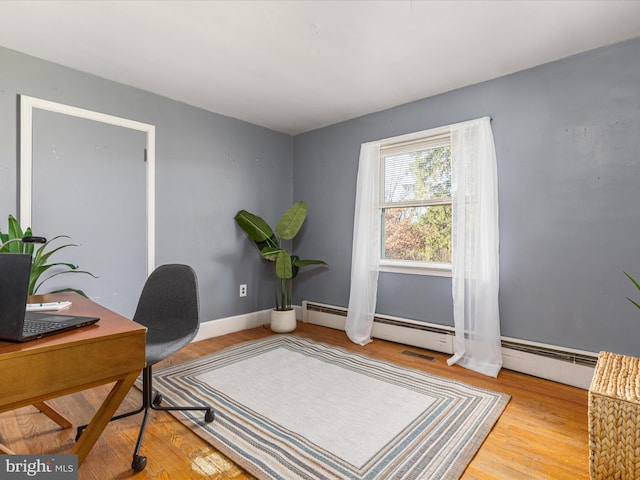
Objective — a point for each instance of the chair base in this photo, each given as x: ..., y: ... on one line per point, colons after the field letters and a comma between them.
x: 151, y: 400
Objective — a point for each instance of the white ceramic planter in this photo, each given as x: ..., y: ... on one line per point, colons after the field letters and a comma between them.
x: 283, y: 321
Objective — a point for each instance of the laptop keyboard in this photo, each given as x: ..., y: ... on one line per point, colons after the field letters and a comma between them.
x: 36, y: 326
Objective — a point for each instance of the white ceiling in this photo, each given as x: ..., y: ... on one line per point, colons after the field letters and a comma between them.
x: 294, y: 66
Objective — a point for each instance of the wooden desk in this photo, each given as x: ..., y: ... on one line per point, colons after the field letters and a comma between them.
x: 112, y: 350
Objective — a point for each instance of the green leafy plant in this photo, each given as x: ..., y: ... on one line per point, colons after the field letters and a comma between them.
x: 637, y: 285
x: 286, y: 265
x: 11, y: 242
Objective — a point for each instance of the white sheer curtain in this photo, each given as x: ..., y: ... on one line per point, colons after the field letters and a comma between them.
x: 365, y: 254
x: 475, y: 258
x: 474, y: 247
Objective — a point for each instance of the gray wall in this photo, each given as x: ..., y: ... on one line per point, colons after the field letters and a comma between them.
x: 567, y: 136
x: 208, y: 167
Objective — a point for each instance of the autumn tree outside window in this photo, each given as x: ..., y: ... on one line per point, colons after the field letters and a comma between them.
x: 415, y: 205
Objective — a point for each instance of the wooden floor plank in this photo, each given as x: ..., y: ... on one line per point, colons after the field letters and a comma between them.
x: 542, y: 433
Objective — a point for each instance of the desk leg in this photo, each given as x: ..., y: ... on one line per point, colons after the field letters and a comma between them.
x: 53, y: 414
x: 103, y: 415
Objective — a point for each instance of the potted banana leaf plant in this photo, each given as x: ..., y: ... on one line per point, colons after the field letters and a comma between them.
x: 11, y: 242
x: 286, y: 265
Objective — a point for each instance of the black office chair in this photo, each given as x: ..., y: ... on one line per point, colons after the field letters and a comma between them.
x: 168, y: 307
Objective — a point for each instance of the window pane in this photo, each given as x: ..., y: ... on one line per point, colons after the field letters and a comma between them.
x: 417, y: 233
x: 419, y: 175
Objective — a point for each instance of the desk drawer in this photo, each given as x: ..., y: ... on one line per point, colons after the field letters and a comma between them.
x: 70, y: 368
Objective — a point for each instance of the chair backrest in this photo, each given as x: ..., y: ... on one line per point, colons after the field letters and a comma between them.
x: 169, y: 300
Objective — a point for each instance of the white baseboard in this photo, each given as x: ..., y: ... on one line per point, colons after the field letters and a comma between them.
x: 558, y: 371
x: 415, y: 338
x: 393, y: 333
x: 238, y: 323
x: 223, y: 326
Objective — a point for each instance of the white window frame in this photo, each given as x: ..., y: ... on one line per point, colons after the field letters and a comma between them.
x: 411, y: 267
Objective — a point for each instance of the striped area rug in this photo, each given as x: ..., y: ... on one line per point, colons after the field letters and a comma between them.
x: 290, y: 408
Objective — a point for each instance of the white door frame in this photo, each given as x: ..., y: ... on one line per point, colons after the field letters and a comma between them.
x: 27, y: 104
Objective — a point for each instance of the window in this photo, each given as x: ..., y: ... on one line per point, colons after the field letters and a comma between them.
x: 415, y: 206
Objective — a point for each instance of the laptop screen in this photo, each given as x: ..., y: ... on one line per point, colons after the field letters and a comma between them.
x: 14, y: 285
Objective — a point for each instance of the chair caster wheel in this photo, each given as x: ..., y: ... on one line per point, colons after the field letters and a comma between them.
x: 139, y: 462
x: 209, y: 416
x: 157, y: 399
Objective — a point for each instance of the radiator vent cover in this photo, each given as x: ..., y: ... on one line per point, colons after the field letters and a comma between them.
x: 565, y: 356
x: 383, y: 319
x: 315, y: 307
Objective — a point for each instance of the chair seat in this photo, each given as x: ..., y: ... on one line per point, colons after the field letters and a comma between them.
x: 161, y: 343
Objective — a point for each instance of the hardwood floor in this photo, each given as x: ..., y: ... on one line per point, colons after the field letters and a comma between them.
x: 541, y: 435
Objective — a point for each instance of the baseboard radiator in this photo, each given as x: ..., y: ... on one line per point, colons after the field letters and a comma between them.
x: 563, y: 365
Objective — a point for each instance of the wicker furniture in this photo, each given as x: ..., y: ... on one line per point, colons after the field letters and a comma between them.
x: 614, y: 418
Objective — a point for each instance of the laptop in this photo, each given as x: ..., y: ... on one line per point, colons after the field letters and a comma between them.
x: 18, y: 325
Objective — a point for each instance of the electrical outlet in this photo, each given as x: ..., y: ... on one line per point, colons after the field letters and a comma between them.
x: 243, y: 290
